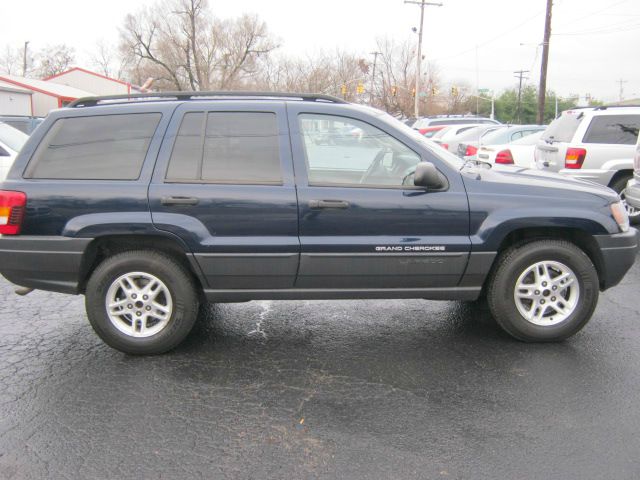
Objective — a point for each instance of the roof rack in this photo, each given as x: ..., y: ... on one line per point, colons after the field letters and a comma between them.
x: 181, y: 96
x: 604, y: 107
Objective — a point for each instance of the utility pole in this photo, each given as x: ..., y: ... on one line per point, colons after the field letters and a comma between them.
x: 24, y: 59
x: 520, y: 74
x: 373, y: 75
x: 422, y: 4
x: 622, y: 82
x: 542, y: 89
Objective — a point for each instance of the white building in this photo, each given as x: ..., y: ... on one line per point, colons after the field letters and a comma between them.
x: 15, y: 100
x: 91, y: 82
x: 46, y: 96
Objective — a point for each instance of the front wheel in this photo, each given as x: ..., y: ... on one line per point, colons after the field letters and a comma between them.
x: 543, y: 291
x: 141, y: 302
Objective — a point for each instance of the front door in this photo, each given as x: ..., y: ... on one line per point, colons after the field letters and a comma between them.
x: 224, y: 185
x: 363, y: 225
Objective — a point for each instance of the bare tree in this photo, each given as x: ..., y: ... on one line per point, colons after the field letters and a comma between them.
x: 12, y: 61
x: 109, y: 61
x: 182, y: 46
x: 53, y: 59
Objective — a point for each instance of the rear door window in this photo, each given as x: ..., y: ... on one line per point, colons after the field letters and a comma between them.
x: 102, y: 147
x: 227, y: 147
x: 613, y: 129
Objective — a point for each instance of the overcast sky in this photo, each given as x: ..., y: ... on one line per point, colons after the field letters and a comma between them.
x: 594, y: 44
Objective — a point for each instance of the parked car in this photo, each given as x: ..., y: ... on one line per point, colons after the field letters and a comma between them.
x: 449, y: 132
x: 470, y: 138
x: 451, y: 120
x: 518, y: 153
x: 149, y: 206
x: 24, y: 124
x: 631, y: 195
x: 11, y: 141
x: 429, y: 132
x: 595, y: 143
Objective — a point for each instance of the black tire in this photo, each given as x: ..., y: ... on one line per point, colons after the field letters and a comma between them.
x: 514, y: 262
x: 175, y: 277
x: 619, y: 186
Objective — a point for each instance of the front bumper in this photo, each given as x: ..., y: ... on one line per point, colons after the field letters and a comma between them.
x: 43, y: 262
x: 632, y: 193
x: 619, y: 252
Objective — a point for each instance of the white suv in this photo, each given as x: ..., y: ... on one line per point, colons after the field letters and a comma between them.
x: 595, y: 143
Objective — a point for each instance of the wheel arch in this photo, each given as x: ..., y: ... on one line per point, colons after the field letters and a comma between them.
x: 578, y: 237
x: 103, y: 247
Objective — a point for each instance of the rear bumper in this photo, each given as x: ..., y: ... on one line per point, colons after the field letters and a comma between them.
x: 619, y: 252
x: 46, y: 263
x: 603, y: 177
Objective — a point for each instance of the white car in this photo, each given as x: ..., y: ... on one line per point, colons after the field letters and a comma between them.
x: 519, y: 152
x: 594, y: 143
x: 11, y: 141
x: 447, y: 133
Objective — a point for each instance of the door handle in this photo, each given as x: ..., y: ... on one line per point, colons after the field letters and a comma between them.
x: 341, y: 204
x: 179, y: 201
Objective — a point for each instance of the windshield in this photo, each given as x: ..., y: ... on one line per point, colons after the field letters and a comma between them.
x: 453, y: 160
x: 12, y: 137
x: 563, y: 129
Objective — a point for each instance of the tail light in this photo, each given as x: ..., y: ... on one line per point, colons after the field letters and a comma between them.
x: 12, y: 205
x: 445, y: 146
x: 422, y: 130
x: 574, y: 158
x: 471, y: 150
x: 636, y: 160
x: 504, y: 157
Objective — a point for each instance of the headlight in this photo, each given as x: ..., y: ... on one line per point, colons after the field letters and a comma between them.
x: 620, y: 215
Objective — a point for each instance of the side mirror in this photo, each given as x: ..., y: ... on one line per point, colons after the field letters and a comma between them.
x: 427, y: 175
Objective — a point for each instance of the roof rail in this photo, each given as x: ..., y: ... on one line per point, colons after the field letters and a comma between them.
x: 604, y: 107
x: 181, y: 96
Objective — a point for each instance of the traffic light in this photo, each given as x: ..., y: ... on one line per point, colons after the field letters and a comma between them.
x: 394, y: 91
x: 454, y: 91
x: 343, y: 89
x: 434, y: 91
x: 360, y: 88
x: 413, y: 92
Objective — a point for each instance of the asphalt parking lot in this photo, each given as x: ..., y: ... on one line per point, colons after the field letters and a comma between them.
x: 349, y: 389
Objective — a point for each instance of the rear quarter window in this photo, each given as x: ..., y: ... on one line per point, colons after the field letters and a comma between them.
x: 613, y: 129
x: 102, y: 147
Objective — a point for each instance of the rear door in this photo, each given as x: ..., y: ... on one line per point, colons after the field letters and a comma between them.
x: 363, y: 225
x: 224, y: 185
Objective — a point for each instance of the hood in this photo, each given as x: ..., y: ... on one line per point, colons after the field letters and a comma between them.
x: 530, y: 181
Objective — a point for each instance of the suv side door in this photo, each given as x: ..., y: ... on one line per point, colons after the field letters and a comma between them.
x: 363, y: 224
x: 224, y: 184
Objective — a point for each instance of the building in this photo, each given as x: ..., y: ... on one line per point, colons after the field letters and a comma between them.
x: 91, y: 82
x: 15, y: 101
x: 45, y: 95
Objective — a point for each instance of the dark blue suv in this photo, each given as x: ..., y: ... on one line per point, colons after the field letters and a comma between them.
x: 151, y: 205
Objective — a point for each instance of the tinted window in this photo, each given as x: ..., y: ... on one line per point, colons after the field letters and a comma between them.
x: 345, y: 151
x: 232, y: 147
x: 615, y: 129
x: 563, y: 128
x: 107, y: 147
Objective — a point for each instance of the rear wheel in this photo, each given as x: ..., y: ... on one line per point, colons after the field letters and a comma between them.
x: 141, y: 302
x: 543, y: 291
